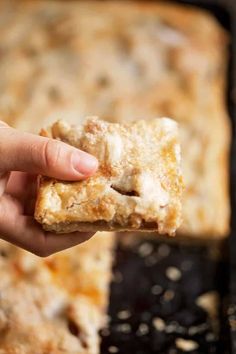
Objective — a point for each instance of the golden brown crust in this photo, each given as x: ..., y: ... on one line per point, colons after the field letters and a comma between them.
x: 138, y: 185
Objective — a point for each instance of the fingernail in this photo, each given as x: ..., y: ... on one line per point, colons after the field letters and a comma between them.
x: 84, y: 163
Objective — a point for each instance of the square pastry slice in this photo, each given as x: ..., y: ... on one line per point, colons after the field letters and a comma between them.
x: 138, y: 185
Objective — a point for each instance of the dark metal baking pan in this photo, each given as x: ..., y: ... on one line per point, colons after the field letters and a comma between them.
x: 159, y: 284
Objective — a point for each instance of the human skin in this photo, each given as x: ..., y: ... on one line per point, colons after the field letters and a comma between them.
x: 23, y: 157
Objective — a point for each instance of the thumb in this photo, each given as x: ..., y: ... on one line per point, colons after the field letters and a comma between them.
x: 35, y: 154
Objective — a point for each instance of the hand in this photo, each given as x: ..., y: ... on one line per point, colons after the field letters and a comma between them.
x: 31, y: 155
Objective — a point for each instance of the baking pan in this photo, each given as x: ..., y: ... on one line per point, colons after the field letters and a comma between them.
x: 156, y: 281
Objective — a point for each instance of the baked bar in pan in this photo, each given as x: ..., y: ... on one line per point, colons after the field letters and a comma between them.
x: 138, y: 185
x: 124, y: 59
x: 55, y: 305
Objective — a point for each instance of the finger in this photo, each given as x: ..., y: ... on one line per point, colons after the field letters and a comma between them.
x: 24, y: 232
x: 53, y: 243
x: 29, y: 206
x: 32, y: 238
x: 22, y: 185
x: 3, y: 181
x: 40, y: 155
x: 10, y: 208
